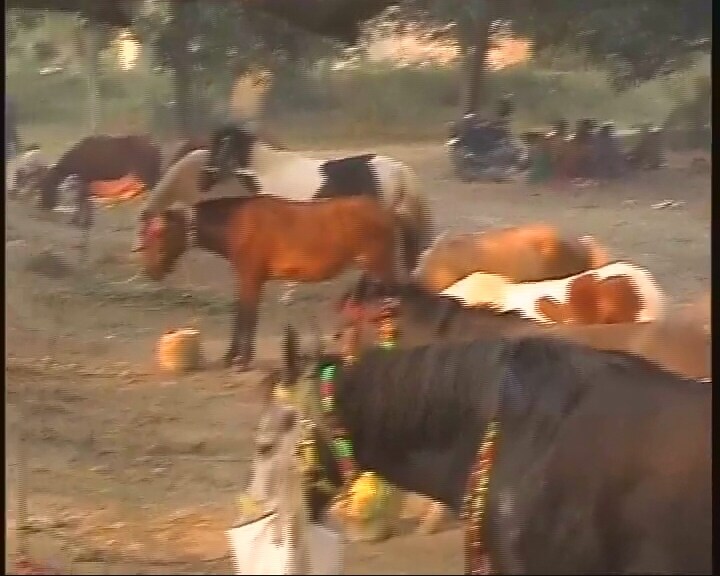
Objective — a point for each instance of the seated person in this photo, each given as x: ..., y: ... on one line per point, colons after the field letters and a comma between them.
x: 556, y: 142
x: 580, y: 156
x: 609, y: 159
x: 539, y: 157
x: 477, y: 135
x: 649, y: 153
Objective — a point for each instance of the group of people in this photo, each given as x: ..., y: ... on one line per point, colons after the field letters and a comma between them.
x: 592, y: 153
x: 482, y: 135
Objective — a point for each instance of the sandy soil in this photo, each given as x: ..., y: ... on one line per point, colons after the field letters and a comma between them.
x: 130, y: 469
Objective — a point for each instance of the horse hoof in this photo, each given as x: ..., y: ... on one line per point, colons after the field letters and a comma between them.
x: 242, y: 366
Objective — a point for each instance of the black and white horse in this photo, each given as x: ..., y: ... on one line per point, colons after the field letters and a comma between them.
x: 237, y: 151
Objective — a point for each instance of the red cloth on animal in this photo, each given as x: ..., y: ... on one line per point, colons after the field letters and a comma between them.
x: 124, y: 188
x: 27, y: 567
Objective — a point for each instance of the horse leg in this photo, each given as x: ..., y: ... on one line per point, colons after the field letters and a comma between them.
x: 248, y: 302
x: 410, y: 246
x: 246, y: 340
x: 288, y: 297
x: 237, y: 326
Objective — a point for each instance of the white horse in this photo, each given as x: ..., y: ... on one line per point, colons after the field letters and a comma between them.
x: 497, y: 292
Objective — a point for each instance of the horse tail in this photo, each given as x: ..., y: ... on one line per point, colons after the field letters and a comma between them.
x: 413, y: 211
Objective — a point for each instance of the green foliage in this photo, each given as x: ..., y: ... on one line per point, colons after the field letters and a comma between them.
x: 636, y: 40
x: 225, y: 37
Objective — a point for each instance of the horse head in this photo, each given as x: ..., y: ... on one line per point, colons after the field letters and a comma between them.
x: 365, y: 312
x: 161, y: 241
x: 291, y: 426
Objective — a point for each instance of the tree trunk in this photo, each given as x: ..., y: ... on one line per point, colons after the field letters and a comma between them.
x: 477, y: 57
x: 182, y: 79
x: 88, y: 50
x: 92, y: 77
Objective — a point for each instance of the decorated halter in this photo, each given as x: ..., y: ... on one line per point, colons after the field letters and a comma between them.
x: 151, y: 226
x: 474, y: 507
x: 368, y: 484
x: 477, y: 559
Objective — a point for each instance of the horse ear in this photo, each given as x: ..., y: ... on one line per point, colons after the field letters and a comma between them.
x: 318, y: 341
x: 155, y: 226
x: 290, y: 355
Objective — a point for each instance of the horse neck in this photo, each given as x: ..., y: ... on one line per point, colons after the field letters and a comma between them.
x: 63, y: 167
x: 212, y: 220
x: 428, y: 320
x: 178, y: 184
x: 437, y: 467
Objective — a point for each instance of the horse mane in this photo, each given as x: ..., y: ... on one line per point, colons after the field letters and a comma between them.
x: 164, y: 193
x: 242, y: 136
x: 425, y: 396
x: 217, y: 211
x: 394, y: 399
x: 426, y: 304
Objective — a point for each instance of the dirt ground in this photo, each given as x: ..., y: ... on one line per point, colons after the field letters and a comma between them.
x: 131, y: 469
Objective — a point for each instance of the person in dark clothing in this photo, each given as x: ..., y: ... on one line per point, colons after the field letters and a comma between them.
x: 506, y: 107
x: 609, y: 159
x: 561, y: 128
x: 649, y: 152
x: 582, y: 150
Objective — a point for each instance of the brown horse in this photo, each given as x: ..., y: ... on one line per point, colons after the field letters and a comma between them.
x: 528, y: 253
x: 103, y: 157
x: 268, y: 238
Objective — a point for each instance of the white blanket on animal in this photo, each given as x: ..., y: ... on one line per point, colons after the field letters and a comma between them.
x: 497, y: 292
x: 255, y: 551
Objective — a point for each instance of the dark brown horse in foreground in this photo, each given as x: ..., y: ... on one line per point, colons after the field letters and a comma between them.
x: 422, y: 318
x: 268, y: 238
x: 103, y: 157
x: 587, y: 461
